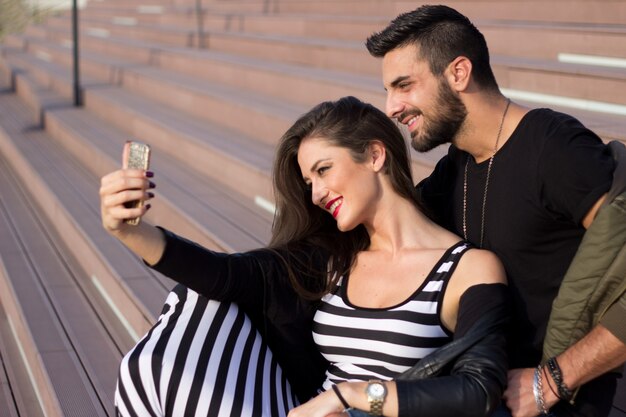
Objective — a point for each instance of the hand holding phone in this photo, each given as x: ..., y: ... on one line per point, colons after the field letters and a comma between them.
x: 136, y: 155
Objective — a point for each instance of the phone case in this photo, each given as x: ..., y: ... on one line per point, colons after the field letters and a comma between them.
x: 138, y: 157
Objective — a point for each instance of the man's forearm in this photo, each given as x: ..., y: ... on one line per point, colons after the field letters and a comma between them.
x: 597, y: 353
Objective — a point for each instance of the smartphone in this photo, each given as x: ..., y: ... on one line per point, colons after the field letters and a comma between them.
x: 137, y: 156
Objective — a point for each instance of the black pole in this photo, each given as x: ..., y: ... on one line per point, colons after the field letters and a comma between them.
x: 200, y: 24
x: 77, y: 96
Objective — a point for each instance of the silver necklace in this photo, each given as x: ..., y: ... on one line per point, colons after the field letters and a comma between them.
x: 482, y: 218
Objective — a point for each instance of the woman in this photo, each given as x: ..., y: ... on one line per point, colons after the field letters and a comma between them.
x: 354, y: 260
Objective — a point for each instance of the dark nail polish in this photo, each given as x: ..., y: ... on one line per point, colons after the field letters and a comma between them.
x: 148, y: 206
x: 150, y: 195
x: 152, y: 185
x: 149, y: 174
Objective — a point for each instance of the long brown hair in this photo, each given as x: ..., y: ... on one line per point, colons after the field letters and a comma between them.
x: 351, y: 124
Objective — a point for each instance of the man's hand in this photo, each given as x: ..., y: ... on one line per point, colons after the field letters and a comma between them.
x: 519, y: 397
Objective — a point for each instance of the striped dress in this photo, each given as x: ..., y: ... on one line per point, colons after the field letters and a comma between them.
x: 202, y: 358
x: 370, y: 343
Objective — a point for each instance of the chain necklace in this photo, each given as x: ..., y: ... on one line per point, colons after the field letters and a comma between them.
x: 482, y: 218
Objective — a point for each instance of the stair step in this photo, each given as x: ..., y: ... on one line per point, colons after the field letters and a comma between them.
x: 8, y: 407
x: 68, y: 196
x: 241, y: 161
x: 215, y: 209
x: 67, y: 347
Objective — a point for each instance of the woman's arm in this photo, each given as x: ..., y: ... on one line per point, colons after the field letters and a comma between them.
x: 220, y: 276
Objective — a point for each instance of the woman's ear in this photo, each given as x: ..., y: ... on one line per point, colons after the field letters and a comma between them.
x: 378, y: 154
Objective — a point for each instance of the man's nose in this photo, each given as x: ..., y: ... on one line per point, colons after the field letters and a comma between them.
x: 393, y: 106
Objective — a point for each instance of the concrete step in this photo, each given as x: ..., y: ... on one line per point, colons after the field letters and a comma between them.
x: 200, y: 208
x: 280, y: 79
x: 58, y: 28
x: 218, y: 235
x: 576, y: 11
x: 549, y: 40
x: 70, y: 353
x: 95, y: 65
x: 114, y: 55
x: 246, y: 161
x: 586, y: 82
x: 145, y: 6
x: 8, y: 391
x: 68, y: 197
x: 531, y: 74
x: 128, y: 17
x: 95, y: 141
x: 244, y: 73
x: 13, y: 41
x: 321, y: 53
x: 20, y: 388
x: 234, y: 72
x: 217, y: 104
x: 356, y: 28
x: 341, y: 7
x: 265, y: 119
x: 543, y: 40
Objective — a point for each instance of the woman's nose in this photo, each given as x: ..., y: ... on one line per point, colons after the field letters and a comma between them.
x: 318, y: 193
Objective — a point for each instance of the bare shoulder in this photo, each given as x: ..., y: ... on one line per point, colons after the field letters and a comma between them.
x: 479, y: 266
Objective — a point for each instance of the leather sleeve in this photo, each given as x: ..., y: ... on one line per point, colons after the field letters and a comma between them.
x: 470, y: 384
x: 219, y: 276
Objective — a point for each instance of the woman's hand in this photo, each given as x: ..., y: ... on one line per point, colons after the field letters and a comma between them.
x: 325, y: 404
x: 119, y: 188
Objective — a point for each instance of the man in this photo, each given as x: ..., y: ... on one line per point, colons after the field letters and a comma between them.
x: 523, y: 183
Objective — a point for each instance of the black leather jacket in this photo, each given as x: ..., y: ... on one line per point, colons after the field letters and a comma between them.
x: 470, y: 372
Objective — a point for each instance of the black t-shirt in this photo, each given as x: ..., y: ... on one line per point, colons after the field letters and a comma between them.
x: 543, y: 181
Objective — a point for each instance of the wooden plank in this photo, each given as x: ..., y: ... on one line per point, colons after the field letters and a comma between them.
x: 56, y: 311
x: 8, y: 407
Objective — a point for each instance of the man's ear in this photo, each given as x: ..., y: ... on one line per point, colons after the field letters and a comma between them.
x: 458, y: 73
x: 377, y: 154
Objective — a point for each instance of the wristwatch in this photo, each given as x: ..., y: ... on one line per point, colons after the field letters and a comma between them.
x: 376, y: 392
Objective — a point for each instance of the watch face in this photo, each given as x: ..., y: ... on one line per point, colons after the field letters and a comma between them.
x: 376, y: 390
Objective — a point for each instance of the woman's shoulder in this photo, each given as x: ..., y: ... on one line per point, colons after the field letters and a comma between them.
x: 479, y: 266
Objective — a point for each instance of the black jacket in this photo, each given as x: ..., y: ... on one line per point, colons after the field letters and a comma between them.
x: 470, y: 371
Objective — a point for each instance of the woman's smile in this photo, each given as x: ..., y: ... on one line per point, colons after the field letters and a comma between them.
x: 334, y: 205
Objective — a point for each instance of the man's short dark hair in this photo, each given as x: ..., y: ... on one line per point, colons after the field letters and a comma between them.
x: 441, y: 34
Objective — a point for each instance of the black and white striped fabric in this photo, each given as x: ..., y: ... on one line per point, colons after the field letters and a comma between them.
x: 370, y: 343
x: 202, y: 358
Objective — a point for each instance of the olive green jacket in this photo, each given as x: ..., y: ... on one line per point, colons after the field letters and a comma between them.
x: 594, y: 288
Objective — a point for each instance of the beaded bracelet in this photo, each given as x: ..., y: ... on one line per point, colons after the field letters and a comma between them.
x: 343, y: 400
x: 545, y: 375
x: 538, y: 392
x: 557, y: 376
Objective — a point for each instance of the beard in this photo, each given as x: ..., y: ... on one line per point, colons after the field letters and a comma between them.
x: 443, y: 124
